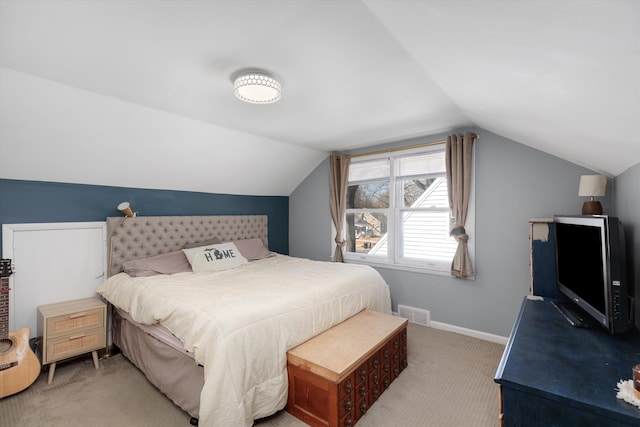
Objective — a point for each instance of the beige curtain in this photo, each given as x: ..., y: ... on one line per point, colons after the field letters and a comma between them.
x: 459, y: 161
x: 339, y: 170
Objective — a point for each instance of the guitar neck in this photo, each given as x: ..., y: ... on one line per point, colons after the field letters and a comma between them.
x: 4, y: 308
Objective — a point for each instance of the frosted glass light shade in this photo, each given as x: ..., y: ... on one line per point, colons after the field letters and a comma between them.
x: 592, y: 186
x: 257, y: 88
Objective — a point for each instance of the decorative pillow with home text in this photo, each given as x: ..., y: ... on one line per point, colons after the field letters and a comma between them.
x: 222, y: 256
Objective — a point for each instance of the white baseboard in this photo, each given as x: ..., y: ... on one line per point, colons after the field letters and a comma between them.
x: 470, y: 332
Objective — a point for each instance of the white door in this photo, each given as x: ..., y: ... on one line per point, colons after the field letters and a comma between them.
x: 52, y: 262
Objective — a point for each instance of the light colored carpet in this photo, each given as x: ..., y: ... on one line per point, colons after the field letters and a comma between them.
x: 449, y: 382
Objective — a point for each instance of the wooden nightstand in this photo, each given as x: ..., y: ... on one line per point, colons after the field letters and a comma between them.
x: 70, y: 329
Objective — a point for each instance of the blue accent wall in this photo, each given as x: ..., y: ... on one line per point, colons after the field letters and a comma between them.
x: 36, y: 202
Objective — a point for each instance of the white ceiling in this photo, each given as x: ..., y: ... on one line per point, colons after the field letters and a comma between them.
x: 559, y: 76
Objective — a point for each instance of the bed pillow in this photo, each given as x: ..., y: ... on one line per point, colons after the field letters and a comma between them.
x: 253, y: 249
x: 169, y: 263
x: 214, y: 257
x: 213, y: 241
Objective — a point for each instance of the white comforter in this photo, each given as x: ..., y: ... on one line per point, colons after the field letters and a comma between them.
x: 240, y: 323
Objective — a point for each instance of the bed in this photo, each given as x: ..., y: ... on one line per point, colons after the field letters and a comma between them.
x: 215, y: 342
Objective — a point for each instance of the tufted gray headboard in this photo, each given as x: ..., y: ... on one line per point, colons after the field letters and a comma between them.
x: 140, y: 237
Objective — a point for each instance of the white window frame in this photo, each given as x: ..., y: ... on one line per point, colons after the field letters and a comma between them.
x: 392, y: 260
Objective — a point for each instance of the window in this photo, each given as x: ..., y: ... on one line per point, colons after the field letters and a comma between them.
x: 398, y: 210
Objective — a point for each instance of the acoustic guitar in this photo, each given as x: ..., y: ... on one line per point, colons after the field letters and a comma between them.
x: 19, y: 366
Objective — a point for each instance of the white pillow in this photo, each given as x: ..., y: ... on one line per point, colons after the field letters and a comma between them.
x: 214, y: 257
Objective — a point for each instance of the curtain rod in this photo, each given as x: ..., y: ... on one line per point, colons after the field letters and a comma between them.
x: 408, y: 147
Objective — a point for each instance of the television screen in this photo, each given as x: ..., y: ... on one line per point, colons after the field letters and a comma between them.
x: 580, y: 262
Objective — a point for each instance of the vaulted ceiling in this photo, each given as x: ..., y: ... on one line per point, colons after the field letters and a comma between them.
x: 560, y: 76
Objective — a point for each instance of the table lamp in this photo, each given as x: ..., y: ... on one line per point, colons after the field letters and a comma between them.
x: 592, y: 186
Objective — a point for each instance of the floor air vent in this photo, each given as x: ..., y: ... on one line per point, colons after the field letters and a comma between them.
x: 415, y: 315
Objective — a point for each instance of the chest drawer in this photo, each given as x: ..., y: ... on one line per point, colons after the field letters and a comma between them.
x: 69, y: 324
x: 77, y: 343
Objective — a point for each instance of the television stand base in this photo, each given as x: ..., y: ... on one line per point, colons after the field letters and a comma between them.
x: 574, y: 315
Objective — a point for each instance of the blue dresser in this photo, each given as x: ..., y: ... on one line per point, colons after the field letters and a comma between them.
x: 554, y: 374
x: 543, y: 258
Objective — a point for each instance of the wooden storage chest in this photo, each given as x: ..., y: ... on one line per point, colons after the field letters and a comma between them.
x: 335, y: 377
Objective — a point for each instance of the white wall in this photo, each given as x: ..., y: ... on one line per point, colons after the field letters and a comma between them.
x: 53, y: 132
x: 309, y: 230
x: 627, y: 196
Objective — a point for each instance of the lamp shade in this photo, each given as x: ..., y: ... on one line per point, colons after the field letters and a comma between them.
x: 592, y: 186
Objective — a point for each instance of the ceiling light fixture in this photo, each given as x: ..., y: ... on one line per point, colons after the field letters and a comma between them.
x: 257, y: 88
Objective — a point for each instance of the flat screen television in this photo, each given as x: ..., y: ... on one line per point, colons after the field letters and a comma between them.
x: 592, y: 272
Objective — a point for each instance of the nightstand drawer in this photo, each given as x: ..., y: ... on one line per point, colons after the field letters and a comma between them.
x: 75, y: 322
x: 74, y: 344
